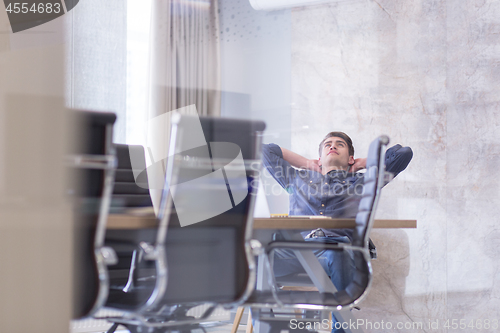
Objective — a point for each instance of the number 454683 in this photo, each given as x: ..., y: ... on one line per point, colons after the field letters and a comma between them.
x: 40, y: 8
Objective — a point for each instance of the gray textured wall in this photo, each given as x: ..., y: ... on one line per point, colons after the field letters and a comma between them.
x: 426, y: 73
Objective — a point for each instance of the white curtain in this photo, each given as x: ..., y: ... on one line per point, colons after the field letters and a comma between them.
x: 184, y: 68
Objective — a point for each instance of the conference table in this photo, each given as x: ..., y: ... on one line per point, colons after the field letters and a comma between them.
x: 288, y: 226
x: 130, y: 221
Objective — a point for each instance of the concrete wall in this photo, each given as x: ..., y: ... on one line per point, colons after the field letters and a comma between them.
x: 425, y: 73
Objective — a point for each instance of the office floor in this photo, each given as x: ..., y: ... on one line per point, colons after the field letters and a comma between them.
x: 94, y: 326
x: 222, y: 318
x: 225, y: 327
x: 222, y: 321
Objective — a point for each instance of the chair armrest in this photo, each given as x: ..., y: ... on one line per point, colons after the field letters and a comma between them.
x: 109, y: 255
x: 256, y: 247
x: 92, y: 161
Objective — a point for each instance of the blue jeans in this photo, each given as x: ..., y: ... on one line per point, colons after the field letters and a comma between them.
x: 338, y: 265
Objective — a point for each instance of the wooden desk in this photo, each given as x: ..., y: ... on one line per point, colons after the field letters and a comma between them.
x: 119, y: 221
x: 325, y: 223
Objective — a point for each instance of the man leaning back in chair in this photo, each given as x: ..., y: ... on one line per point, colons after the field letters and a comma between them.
x: 329, y: 186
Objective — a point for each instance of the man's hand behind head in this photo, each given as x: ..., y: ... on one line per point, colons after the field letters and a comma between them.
x: 359, y: 164
x: 313, y: 165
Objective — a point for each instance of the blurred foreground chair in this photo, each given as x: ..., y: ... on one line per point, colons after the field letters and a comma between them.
x: 204, y: 225
x: 325, y: 300
x: 135, y: 277
x: 92, y: 160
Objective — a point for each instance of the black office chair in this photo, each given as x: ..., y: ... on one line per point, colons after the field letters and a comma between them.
x: 135, y: 277
x: 205, y: 222
x: 93, y: 163
x: 357, y: 289
x: 131, y: 189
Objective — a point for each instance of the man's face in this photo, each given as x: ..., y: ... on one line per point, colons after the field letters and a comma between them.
x: 335, y: 152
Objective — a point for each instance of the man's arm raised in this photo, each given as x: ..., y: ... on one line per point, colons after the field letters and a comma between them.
x: 397, y: 159
x: 299, y: 161
x: 359, y: 164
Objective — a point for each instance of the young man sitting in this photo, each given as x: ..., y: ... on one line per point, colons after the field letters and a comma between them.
x: 329, y: 186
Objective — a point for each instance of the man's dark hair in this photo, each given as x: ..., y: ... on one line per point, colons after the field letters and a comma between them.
x: 342, y: 135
